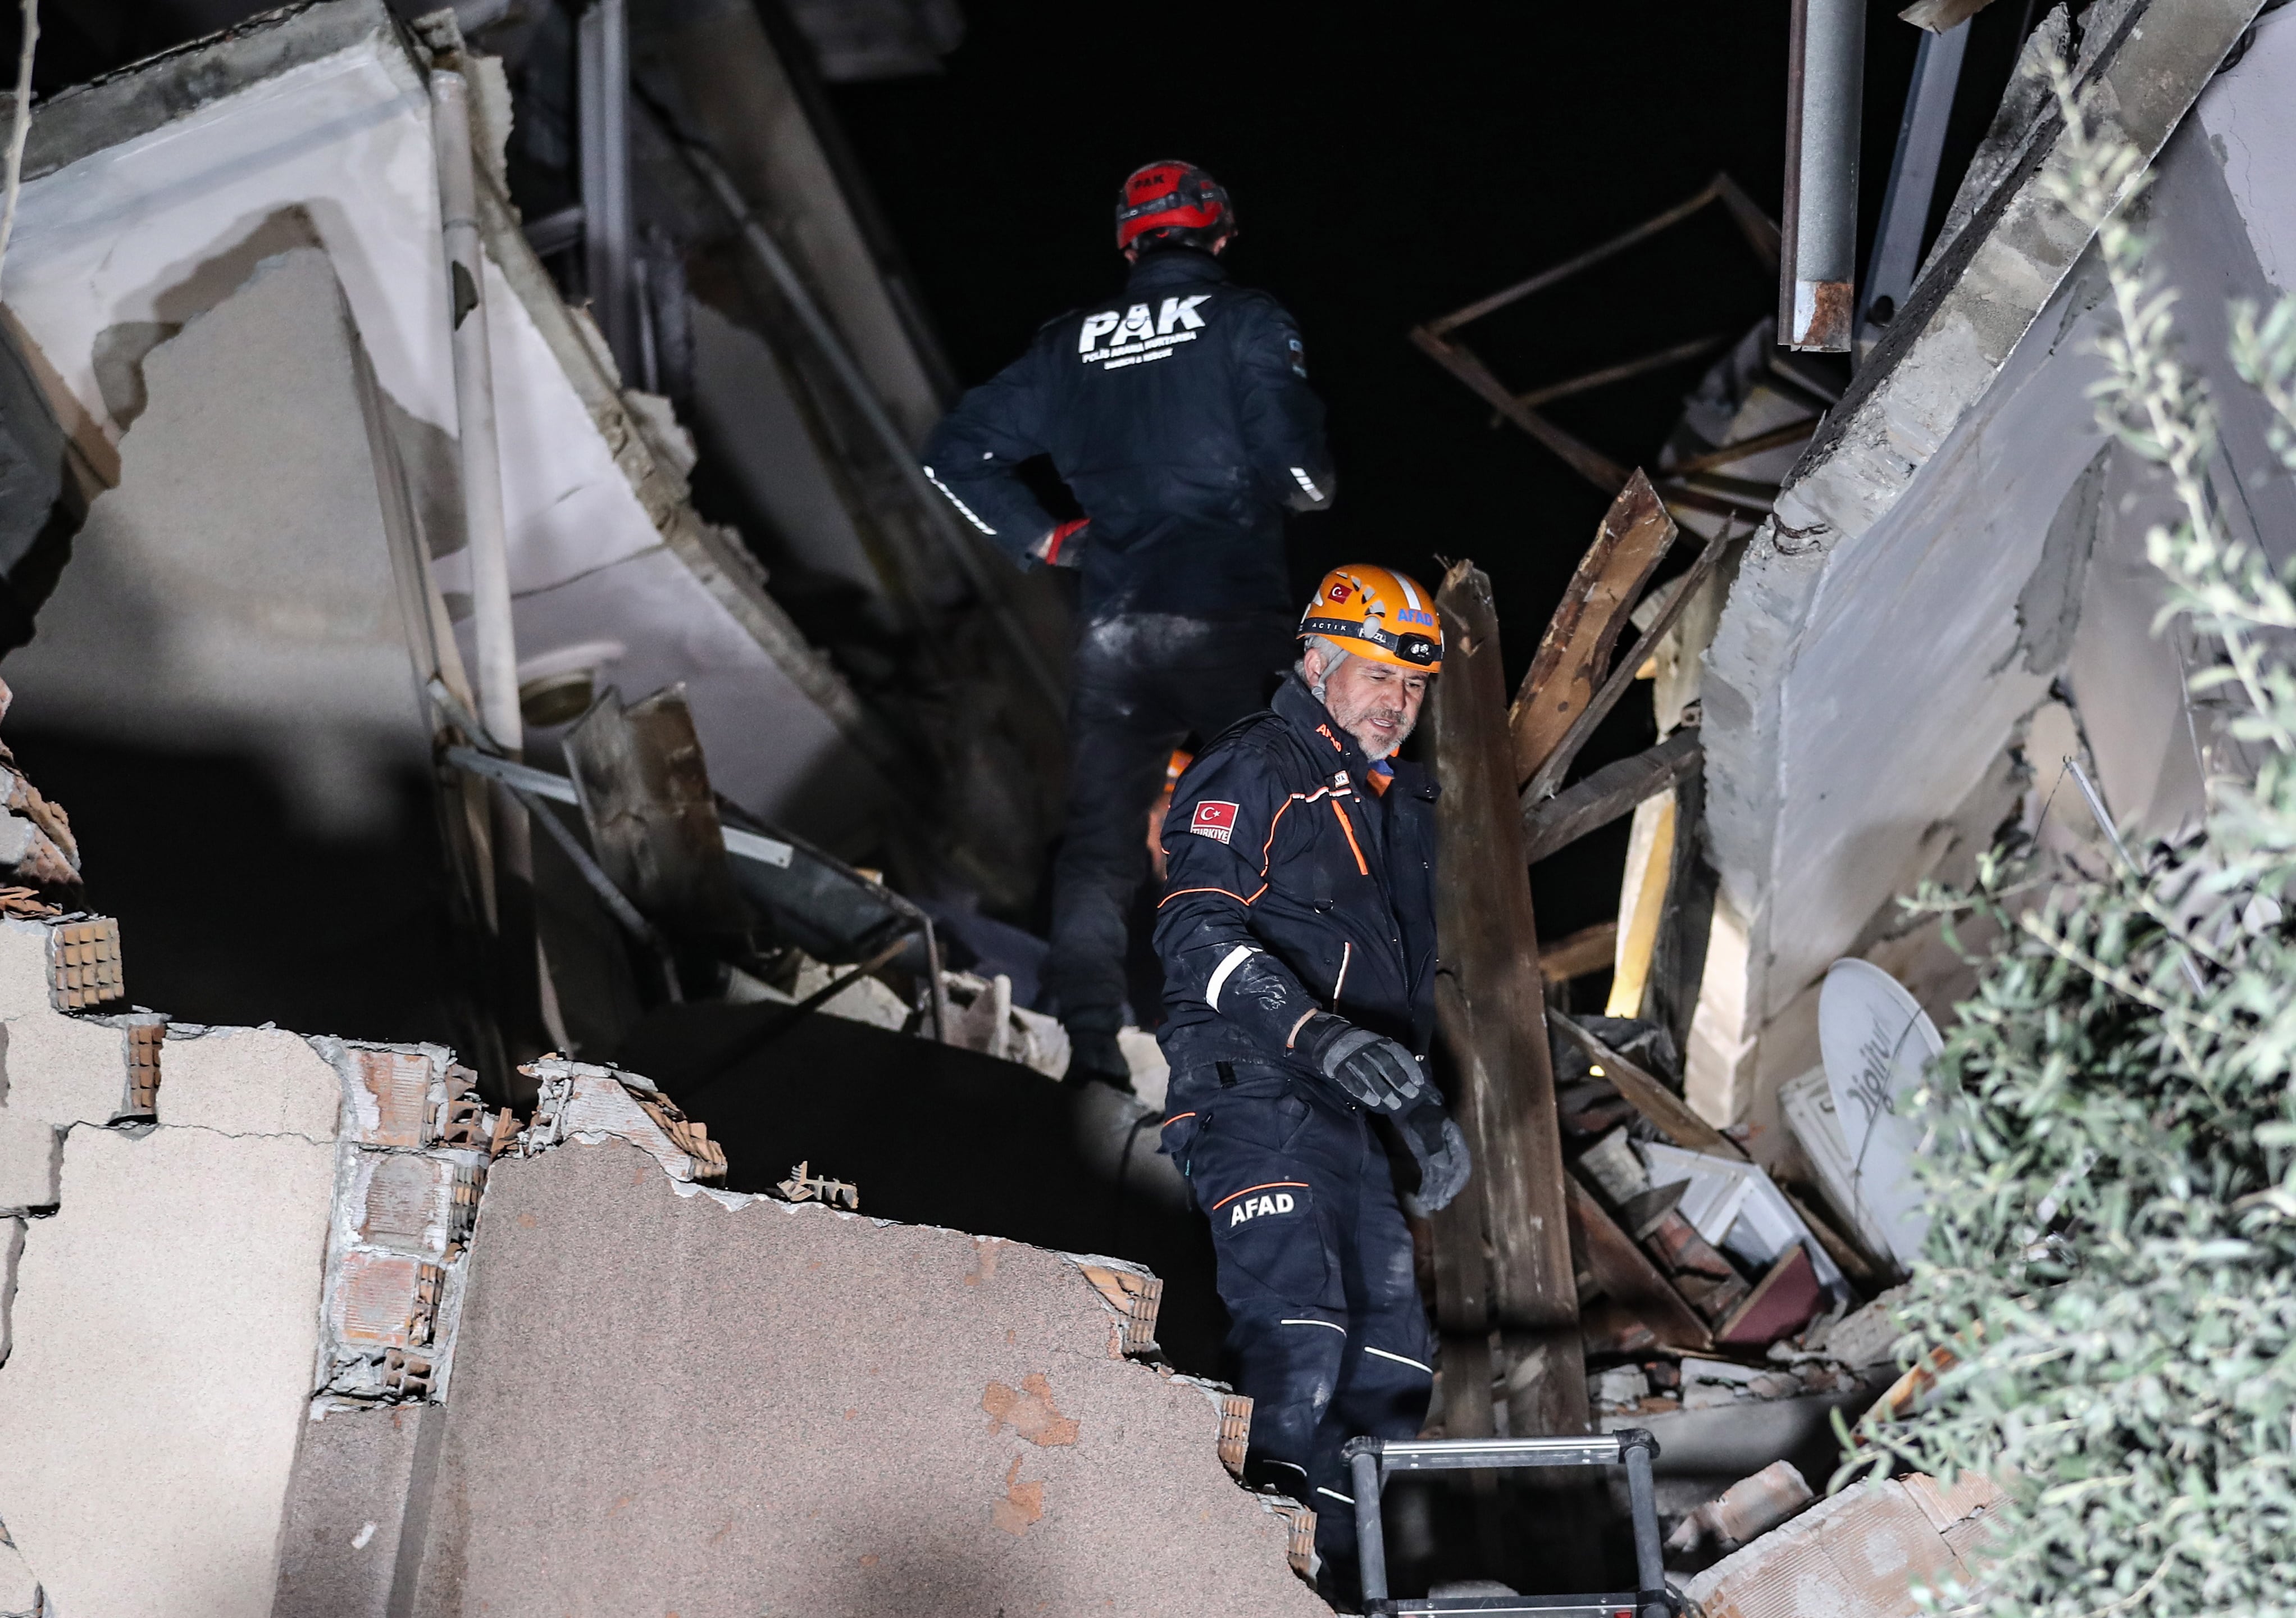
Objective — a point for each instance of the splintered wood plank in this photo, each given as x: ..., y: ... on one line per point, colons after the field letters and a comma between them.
x: 1650, y: 1097
x: 1575, y: 652
x: 1627, y: 1277
x: 1550, y: 824
x: 1492, y: 1007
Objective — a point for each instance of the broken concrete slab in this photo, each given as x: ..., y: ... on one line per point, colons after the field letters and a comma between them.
x: 900, y: 1418
x: 248, y: 1081
x: 55, y: 1071
x: 151, y: 198
x: 1846, y: 757
x: 165, y: 1335
x: 237, y: 589
x: 1860, y: 1555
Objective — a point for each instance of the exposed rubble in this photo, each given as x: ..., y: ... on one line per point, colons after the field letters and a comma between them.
x: 1863, y: 1554
x: 457, y: 1359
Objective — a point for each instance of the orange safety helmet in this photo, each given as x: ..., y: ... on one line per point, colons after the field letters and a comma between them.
x: 1389, y: 617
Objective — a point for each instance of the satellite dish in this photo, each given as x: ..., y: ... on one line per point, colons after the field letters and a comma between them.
x: 1876, y: 1040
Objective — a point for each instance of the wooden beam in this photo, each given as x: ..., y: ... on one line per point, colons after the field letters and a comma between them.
x: 1492, y: 1005
x: 1626, y: 1275
x: 1621, y: 372
x: 1588, y: 462
x: 1552, y: 823
x: 1557, y: 763
x: 1588, y: 950
x: 1463, y: 1301
x: 1575, y: 651
x: 1650, y: 1097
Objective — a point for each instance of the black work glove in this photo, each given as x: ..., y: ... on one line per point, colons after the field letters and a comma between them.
x: 1374, y: 1070
x: 1439, y: 1149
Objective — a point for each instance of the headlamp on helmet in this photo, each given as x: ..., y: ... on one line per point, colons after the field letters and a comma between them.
x: 1379, y: 615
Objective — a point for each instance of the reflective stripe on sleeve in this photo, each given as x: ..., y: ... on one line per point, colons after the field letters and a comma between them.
x: 1234, y: 958
x: 971, y: 515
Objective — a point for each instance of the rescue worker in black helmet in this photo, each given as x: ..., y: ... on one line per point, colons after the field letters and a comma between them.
x: 1297, y: 933
x: 1178, y: 413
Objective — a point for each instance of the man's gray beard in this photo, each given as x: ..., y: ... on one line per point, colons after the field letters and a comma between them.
x: 1401, y: 736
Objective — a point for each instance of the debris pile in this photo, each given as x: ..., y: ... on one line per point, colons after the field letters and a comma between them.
x: 520, y: 1329
x: 1862, y: 1554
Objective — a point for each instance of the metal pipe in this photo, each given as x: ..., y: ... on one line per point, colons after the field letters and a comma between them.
x: 936, y: 997
x: 1371, y: 1533
x: 475, y: 411
x: 1636, y: 1448
x: 517, y: 964
x: 1912, y: 181
x: 603, y: 111
x: 1824, y: 98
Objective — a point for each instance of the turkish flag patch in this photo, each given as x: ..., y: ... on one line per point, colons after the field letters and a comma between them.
x: 1214, y: 820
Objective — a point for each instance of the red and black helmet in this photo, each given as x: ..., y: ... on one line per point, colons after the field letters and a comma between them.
x: 1173, y: 203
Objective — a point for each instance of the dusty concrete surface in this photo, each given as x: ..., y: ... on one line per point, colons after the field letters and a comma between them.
x: 166, y: 1328
x: 55, y: 1071
x: 988, y: 1146
x: 663, y: 1404
x: 20, y: 1592
x: 339, y: 1539
x: 248, y: 1081
x: 1861, y: 1553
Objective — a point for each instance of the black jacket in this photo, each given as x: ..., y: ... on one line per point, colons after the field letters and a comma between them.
x: 1274, y: 844
x: 1179, y: 414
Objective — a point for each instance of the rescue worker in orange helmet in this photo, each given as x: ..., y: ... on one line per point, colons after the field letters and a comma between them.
x: 1297, y: 933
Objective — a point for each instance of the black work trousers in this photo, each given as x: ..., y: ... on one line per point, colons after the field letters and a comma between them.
x: 1141, y: 685
x: 1328, y: 1333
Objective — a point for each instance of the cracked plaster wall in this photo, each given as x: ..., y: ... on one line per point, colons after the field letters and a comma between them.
x: 165, y: 1322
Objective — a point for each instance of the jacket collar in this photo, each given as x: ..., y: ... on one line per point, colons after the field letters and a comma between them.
x: 1174, y: 266
x: 1298, y: 706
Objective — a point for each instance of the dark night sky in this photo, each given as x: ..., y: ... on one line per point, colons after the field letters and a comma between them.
x: 1388, y: 165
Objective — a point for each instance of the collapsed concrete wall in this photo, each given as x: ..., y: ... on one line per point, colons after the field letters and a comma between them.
x: 292, y: 1326
x: 710, y: 1403
x: 1951, y: 548
x: 151, y: 198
